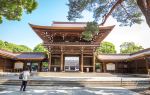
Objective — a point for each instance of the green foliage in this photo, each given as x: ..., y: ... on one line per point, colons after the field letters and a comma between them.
x: 126, y: 12
x: 13, y: 9
x: 129, y: 47
x: 97, y: 66
x: 76, y: 7
x: 22, y: 48
x: 90, y: 30
x: 13, y: 47
x: 106, y: 47
x: 45, y: 64
x: 2, y: 44
x: 39, y: 48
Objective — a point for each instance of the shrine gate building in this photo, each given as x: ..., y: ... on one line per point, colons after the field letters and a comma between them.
x: 67, y: 50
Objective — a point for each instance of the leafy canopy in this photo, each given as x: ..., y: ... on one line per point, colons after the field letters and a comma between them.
x: 90, y: 30
x: 13, y: 47
x: 130, y: 47
x: 125, y: 11
x: 106, y: 47
x: 13, y: 9
x: 39, y: 48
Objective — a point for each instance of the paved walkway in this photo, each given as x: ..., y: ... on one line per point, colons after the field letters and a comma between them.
x: 60, y: 90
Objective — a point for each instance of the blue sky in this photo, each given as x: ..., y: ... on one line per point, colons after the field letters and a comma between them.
x: 19, y: 32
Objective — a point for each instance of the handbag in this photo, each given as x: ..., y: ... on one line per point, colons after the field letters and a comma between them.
x: 21, y: 76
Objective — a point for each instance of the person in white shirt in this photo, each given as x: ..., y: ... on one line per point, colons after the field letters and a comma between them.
x: 25, y: 76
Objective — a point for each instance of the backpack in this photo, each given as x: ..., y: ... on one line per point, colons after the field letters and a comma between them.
x: 21, y: 76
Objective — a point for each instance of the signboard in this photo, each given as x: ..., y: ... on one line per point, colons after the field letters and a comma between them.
x: 71, y: 61
x: 110, y: 66
x: 18, y: 65
x: 28, y: 63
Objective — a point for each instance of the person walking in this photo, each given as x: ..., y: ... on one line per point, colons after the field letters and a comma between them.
x: 25, y: 76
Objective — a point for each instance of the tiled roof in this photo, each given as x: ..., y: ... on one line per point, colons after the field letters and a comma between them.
x: 31, y: 55
x: 23, y: 55
x: 102, y: 57
x: 7, y: 54
x: 122, y: 57
x: 113, y: 57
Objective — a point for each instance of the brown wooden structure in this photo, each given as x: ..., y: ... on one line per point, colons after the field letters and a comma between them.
x: 67, y: 51
x: 137, y: 63
x: 64, y: 39
x: 9, y: 59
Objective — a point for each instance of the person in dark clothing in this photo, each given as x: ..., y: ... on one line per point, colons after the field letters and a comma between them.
x: 25, y: 75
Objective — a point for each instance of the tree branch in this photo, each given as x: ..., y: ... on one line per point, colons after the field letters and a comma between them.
x: 148, y: 4
x: 125, y: 11
x: 112, y: 9
x: 144, y: 5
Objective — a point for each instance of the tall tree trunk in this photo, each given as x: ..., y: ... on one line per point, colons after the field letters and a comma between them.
x: 144, y: 5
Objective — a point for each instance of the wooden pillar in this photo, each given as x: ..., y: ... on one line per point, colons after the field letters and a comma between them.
x: 101, y: 67
x: 81, y: 62
x: 93, y: 61
x: 30, y: 66
x: 25, y: 65
x: 147, y: 66
x: 4, y: 65
x: 116, y: 67
x: 104, y: 67
x: 81, y: 65
x: 49, y: 61
x: 39, y: 66
x: 61, y: 61
x: 136, y: 67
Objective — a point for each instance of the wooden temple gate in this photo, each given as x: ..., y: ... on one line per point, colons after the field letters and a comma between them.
x: 64, y: 39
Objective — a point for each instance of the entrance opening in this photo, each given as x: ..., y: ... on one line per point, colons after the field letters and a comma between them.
x: 71, y: 63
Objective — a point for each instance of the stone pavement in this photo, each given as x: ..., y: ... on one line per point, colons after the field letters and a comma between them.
x: 61, y: 90
x: 70, y: 90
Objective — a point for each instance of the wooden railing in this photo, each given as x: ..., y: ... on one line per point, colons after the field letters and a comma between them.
x: 73, y: 43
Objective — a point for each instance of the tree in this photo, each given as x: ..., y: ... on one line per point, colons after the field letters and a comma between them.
x: 129, y: 47
x: 125, y: 11
x: 21, y: 48
x: 13, y: 47
x: 2, y: 44
x: 90, y: 30
x: 13, y: 9
x: 39, y: 48
x: 106, y: 47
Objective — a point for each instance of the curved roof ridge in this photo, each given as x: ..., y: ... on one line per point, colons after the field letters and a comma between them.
x: 65, y: 27
x: 122, y: 57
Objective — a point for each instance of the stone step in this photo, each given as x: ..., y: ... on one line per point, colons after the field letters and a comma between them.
x: 77, y: 83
